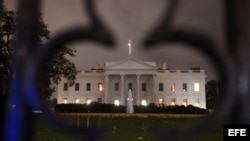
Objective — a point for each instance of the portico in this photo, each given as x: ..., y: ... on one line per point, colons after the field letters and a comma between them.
x: 129, y: 73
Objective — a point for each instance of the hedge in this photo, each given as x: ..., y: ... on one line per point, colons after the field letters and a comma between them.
x: 96, y: 107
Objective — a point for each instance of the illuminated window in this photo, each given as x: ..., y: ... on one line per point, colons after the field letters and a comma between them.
x: 184, y: 102
x: 88, y: 101
x: 100, y: 87
x: 116, y: 102
x: 116, y: 86
x: 173, y: 87
x: 143, y: 87
x: 172, y: 102
x: 197, y: 102
x: 77, y: 100
x: 184, y: 87
x: 196, y: 87
x: 88, y: 86
x: 161, y: 102
x: 65, y: 86
x: 144, y: 102
x: 77, y: 86
x: 65, y: 101
x: 160, y: 86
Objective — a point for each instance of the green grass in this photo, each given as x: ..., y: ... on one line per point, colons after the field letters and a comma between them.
x: 123, y: 127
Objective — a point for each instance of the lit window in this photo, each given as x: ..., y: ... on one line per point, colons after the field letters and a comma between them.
x: 197, y: 102
x: 144, y: 102
x: 172, y: 102
x: 100, y: 87
x: 116, y: 102
x: 184, y: 102
x: 173, y: 87
x: 65, y: 101
x: 88, y: 101
x: 161, y: 102
x: 77, y: 100
x: 77, y: 86
x: 184, y: 87
x: 65, y: 86
x: 160, y: 86
x: 196, y: 87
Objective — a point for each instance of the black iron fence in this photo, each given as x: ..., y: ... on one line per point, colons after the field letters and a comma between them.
x: 232, y: 65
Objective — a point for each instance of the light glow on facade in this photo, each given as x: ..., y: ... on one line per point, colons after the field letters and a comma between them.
x: 65, y: 101
x: 197, y: 103
x: 77, y: 100
x: 116, y: 102
x: 172, y: 103
x: 88, y: 101
x: 144, y: 102
x: 184, y: 102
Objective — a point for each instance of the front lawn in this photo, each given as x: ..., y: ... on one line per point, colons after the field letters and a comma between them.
x: 122, y: 127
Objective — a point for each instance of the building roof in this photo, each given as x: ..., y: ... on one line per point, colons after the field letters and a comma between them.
x: 130, y: 63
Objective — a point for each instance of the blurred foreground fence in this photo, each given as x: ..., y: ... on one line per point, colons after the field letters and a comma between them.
x: 232, y: 64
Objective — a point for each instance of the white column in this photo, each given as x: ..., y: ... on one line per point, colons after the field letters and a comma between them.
x: 106, y: 97
x: 153, y: 95
x: 138, y: 96
x: 122, y: 90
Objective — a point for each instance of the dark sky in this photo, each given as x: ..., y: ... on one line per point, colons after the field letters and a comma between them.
x: 133, y: 19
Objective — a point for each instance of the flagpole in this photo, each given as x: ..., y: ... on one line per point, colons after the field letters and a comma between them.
x: 129, y: 48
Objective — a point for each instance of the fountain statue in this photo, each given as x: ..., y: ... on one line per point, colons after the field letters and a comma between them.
x: 130, y: 108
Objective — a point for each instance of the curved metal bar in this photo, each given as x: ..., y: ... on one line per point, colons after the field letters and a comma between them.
x: 27, y: 95
x: 16, y: 119
x: 237, y: 19
x: 228, y: 74
x: 164, y: 24
x: 226, y: 71
x: 39, y: 60
x: 29, y: 61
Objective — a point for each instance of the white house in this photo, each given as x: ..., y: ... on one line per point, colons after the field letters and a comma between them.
x: 148, y: 84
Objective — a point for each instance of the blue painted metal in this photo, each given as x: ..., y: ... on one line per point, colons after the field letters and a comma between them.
x: 27, y: 61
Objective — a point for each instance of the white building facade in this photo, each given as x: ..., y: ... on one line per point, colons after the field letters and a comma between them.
x: 148, y: 84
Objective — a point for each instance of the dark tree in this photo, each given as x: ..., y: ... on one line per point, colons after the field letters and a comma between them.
x: 212, y: 94
x: 6, y: 32
x: 58, y: 65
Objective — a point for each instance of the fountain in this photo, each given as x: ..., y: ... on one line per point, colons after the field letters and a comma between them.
x: 130, y: 108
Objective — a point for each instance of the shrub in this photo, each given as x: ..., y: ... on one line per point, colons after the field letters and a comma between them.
x: 96, y: 107
x: 93, y: 107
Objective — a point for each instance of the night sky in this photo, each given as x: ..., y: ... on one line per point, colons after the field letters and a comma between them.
x: 133, y: 19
